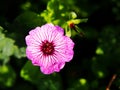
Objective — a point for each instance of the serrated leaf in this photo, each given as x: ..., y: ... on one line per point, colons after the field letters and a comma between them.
x: 19, y: 52
x: 8, y: 48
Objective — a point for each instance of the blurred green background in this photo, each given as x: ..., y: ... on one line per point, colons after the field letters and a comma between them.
x: 96, y: 54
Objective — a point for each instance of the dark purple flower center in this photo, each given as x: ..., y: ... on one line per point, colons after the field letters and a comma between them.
x: 47, y: 48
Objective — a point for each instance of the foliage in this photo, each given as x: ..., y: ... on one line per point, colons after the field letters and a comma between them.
x: 93, y: 26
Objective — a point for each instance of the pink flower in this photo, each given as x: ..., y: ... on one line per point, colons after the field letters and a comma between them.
x: 48, y: 48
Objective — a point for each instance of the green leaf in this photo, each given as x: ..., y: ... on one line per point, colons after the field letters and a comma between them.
x: 47, y: 15
x: 53, y: 5
x: 44, y: 82
x: 26, y: 6
x: 19, y: 52
x: 8, y: 48
x: 73, y: 15
x: 31, y: 73
x: 7, y: 76
x: 68, y: 31
x: 28, y: 20
x: 55, y: 10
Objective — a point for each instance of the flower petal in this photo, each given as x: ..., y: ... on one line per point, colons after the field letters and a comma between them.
x: 34, y: 55
x: 30, y: 41
x: 64, y: 50
x: 59, y: 29
x: 69, y: 49
x: 62, y: 46
x: 54, y: 68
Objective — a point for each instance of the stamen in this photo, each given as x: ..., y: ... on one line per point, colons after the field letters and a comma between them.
x: 47, y: 48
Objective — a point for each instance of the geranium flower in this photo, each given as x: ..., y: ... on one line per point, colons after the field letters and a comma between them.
x: 48, y: 48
